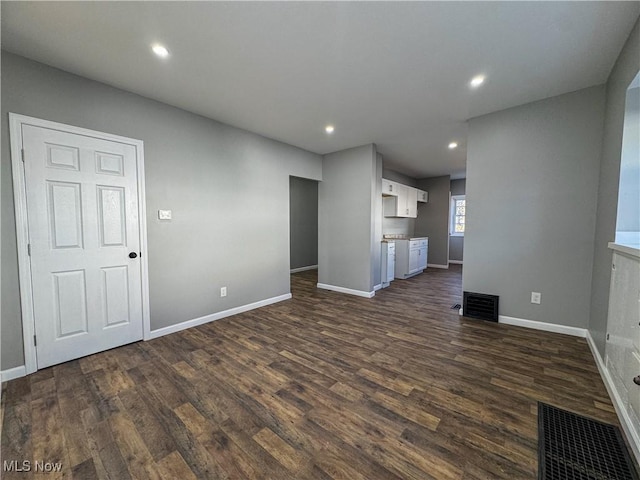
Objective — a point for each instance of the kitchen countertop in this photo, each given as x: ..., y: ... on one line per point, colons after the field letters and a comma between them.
x: 395, y: 239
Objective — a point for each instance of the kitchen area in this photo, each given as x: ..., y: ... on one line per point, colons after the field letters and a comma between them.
x: 403, y: 254
x: 376, y: 225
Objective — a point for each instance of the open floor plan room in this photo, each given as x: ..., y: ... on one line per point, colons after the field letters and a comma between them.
x: 319, y: 387
x: 335, y: 240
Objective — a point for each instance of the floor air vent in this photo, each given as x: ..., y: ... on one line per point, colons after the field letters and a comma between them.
x: 480, y: 305
x: 573, y: 447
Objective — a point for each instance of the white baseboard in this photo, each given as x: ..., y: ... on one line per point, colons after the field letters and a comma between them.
x: 359, y: 293
x: 435, y: 265
x: 632, y: 434
x: 216, y: 316
x: 456, y: 262
x: 547, y: 327
x: 303, y: 269
x: 11, y: 373
x: 377, y: 287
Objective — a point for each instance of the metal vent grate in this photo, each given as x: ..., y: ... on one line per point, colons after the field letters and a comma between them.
x: 573, y: 447
x: 480, y: 305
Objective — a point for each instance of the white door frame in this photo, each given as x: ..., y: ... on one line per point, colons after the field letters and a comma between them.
x: 16, y: 122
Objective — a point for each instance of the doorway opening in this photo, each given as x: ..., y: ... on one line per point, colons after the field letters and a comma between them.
x: 303, y: 226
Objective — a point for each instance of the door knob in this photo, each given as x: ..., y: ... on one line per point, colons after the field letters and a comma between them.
x: 636, y: 380
x: 133, y: 255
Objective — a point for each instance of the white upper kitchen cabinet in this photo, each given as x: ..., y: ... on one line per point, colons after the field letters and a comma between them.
x: 411, y: 202
x: 389, y: 187
x: 405, y: 204
x: 401, y: 200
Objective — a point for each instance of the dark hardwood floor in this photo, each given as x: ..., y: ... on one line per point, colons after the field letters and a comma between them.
x: 323, y: 386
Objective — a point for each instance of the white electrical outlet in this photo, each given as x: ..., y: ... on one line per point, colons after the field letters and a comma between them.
x: 223, y: 291
x: 164, y: 214
x: 536, y: 297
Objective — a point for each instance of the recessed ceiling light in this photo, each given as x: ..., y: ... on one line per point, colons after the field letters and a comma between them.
x: 329, y: 128
x: 453, y: 145
x: 160, y: 50
x: 477, y: 81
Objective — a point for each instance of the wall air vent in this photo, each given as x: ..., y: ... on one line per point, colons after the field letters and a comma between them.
x: 480, y: 305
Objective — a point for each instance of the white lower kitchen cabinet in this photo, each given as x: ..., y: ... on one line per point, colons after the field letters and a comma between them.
x: 388, y: 263
x: 422, y: 253
x: 411, y: 257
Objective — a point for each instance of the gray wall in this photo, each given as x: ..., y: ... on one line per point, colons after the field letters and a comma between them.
x: 433, y: 218
x: 399, y: 177
x: 532, y: 180
x: 456, y: 244
x: 348, y: 197
x: 303, y: 222
x: 624, y: 70
x: 228, y: 189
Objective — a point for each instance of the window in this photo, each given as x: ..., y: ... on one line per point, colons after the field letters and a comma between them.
x: 457, y: 217
x: 628, y: 218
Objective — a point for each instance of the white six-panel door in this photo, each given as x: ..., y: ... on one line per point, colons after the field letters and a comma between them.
x: 83, y: 225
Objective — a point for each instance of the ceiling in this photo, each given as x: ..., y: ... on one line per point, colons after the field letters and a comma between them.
x: 393, y: 73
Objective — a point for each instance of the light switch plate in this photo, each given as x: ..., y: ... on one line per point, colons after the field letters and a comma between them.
x: 164, y: 214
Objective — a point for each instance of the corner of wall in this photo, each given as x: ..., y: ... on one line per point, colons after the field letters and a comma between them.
x: 624, y: 70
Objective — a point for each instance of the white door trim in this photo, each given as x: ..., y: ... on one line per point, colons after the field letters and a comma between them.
x: 16, y: 122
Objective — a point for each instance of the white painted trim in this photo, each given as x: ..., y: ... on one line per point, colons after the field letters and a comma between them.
x: 22, y: 236
x: 377, y: 287
x: 547, y: 327
x: 633, y: 251
x: 349, y: 291
x: 10, y: 374
x: 435, y: 265
x: 144, y: 250
x: 303, y: 269
x: 16, y: 122
x: 456, y: 262
x: 632, y: 434
x: 160, y: 332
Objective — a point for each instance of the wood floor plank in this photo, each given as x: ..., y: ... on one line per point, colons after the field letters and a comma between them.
x: 191, y: 450
x: 49, y: 443
x: 324, y: 386
x: 159, y: 441
x: 284, y: 453
x: 132, y: 447
x: 174, y: 466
